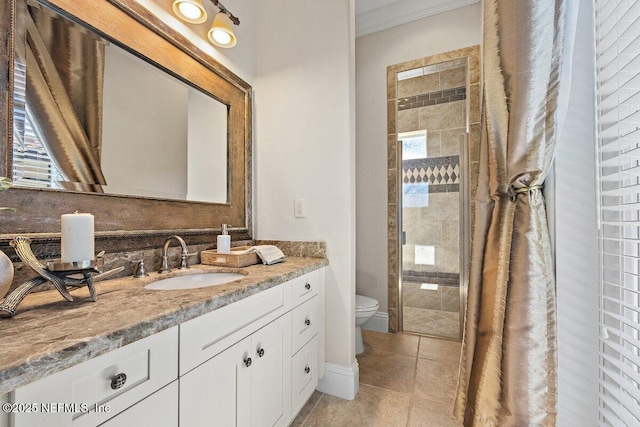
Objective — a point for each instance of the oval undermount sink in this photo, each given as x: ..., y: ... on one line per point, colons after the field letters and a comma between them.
x: 194, y: 281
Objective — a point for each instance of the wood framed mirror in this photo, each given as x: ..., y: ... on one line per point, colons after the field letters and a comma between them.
x: 129, y: 222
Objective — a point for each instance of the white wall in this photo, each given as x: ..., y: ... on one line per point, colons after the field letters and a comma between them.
x: 305, y: 143
x: 206, y: 148
x: 161, y: 137
x: 576, y: 241
x: 141, y: 128
x: 374, y: 53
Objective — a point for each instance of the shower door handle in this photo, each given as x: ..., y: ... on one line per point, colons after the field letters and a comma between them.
x: 404, y: 237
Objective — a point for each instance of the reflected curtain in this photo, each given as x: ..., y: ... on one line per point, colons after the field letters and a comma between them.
x: 65, y: 76
x: 508, y: 365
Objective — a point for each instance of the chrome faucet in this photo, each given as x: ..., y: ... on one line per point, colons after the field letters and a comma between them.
x: 165, y: 254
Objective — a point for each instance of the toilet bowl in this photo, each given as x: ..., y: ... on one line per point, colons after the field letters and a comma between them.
x: 365, y: 308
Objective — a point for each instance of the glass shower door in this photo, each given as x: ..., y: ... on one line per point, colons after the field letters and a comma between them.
x: 431, y: 197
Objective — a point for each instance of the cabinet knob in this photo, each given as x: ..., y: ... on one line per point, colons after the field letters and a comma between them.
x: 307, y: 369
x: 307, y: 286
x: 307, y: 321
x: 247, y: 362
x: 118, y: 381
x: 261, y: 352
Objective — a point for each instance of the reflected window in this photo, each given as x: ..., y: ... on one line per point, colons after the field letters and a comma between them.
x: 414, y: 145
x: 32, y: 163
x: 425, y: 255
x: 415, y: 195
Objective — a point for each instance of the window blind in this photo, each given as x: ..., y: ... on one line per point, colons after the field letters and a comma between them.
x: 618, y: 127
x: 32, y: 164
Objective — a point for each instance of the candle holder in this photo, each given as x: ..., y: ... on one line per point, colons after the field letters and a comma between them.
x: 58, y: 273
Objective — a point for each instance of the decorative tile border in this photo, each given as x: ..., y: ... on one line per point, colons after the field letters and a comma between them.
x: 432, y: 98
x: 435, y: 170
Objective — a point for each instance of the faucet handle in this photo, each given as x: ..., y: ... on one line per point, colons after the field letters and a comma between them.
x: 141, y: 271
x: 164, y: 268
x: 184, y: 265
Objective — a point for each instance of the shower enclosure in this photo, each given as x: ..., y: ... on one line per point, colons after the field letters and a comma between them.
x: 433, y: 144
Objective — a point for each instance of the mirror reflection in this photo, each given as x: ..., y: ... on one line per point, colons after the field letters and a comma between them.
x: 92, y: 117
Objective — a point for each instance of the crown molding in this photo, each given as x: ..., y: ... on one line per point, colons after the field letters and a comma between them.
x: 394, y: 15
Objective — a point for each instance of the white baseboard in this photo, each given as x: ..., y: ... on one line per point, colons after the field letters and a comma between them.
x: 379, y: 322
x: 340, y: 381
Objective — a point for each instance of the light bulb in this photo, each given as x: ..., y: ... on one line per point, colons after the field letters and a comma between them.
x: 190, y: 10
x: 221, y: 37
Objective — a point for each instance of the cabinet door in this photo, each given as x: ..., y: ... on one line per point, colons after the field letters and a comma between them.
x: 270, y: 378
x: 158, y: 410
x: 218, y: 392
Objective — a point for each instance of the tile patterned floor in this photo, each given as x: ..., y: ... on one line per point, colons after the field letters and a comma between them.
x: 405, y: 380
x: 431, y: 322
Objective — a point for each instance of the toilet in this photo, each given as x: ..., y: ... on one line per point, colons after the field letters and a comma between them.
x: 365, y: 308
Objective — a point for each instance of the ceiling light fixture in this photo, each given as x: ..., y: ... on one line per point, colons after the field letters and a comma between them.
x: 191, y: 11
x: 221, y: 32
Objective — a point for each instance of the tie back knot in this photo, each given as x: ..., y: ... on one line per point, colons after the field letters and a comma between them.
x: 513, y: 192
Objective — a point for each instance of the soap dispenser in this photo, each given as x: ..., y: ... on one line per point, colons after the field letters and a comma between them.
x: 224, y: 241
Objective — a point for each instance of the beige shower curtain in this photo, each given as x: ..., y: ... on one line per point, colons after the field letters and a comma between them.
x: 64, y: 92
x: 508, y: 369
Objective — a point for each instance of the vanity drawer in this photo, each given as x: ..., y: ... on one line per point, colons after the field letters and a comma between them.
x: 204, y: 337
x: 304, y: 323
x: 90, y: 390
x: 304, y: 375
x: 305, y: 287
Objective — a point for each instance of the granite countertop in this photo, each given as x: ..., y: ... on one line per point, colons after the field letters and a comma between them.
x: 48, y: 334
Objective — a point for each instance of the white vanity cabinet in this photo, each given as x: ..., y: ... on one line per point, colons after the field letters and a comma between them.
x: 254, y: 362
x: 245, y: 385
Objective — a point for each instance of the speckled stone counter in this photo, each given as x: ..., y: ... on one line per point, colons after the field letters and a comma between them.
x: 48, y: 334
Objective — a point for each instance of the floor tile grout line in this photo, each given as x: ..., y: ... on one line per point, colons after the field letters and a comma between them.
x: 415, y: 376
x: 312, y: 410
x: 386, y: 389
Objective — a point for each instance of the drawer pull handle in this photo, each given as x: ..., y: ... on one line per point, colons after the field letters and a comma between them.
x: 307, y: 286
x: 118, y: 381
x: 307, y: 369
x: 261, y: 352
x: 247, y: 362
x: 307, y: 322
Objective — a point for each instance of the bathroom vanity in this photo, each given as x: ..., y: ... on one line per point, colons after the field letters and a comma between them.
x: 245, y: 353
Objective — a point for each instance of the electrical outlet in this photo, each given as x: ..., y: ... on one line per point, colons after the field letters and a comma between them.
x: 299, y: 210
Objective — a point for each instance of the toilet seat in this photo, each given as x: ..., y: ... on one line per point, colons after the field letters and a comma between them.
x: 365, y: 303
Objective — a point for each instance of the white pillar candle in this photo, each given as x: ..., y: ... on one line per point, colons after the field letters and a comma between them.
x: 77, y: 237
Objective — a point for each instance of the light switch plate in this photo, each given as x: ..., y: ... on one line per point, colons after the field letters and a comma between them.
x: 299, y: 209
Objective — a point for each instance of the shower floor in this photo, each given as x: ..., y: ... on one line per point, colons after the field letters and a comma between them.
x: 431, y: 311
x: 431, y: 322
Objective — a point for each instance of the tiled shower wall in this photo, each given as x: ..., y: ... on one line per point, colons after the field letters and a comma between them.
x: 434, y: 102
x: 431, y: 103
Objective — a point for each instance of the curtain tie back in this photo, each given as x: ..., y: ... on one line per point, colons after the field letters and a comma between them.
x: 513, y: 192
